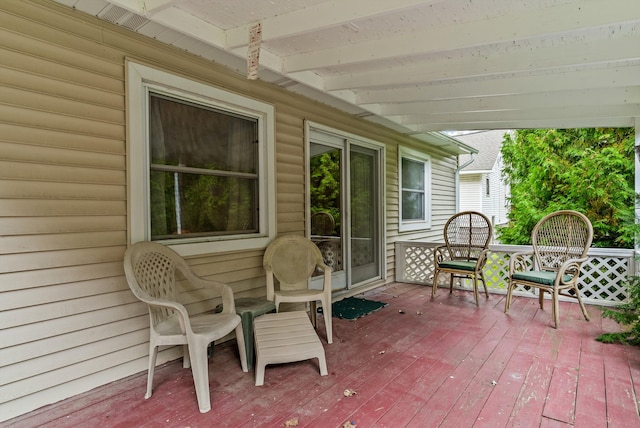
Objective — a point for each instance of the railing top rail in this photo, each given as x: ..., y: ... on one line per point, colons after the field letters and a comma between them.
x: 593, y: 252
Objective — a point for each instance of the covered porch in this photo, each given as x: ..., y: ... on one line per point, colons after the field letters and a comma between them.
x: 416, y: 362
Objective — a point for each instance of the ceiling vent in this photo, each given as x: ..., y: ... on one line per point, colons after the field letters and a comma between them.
x: 120, y: 16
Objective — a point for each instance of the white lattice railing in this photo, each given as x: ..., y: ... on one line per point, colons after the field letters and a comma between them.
x: 601, y: 279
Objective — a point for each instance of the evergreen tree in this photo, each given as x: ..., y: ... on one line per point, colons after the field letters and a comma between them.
x: 587, y: 170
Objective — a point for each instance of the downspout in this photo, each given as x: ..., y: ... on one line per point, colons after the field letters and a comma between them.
x: 636, y: 263
x: 469, y: 162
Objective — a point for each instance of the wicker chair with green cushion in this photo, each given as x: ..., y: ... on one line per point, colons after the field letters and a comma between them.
x: 560, y: 242
x: 466, y: 236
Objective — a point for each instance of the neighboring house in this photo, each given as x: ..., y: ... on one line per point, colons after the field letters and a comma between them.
x: 481, y: 185
x: 109, y: 137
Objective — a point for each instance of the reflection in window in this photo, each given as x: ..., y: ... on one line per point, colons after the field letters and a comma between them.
x: 203, y: 170
x: 415, y: 182
x: 413, y: 190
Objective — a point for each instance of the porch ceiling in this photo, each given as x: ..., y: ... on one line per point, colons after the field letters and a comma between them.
x: 421, y: 65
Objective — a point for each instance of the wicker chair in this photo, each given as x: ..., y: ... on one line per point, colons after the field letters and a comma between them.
x: 322, y: 224
x: 291, y: 260
x: 151, y: 270
x: 466, y: 236
x: 560, y: 241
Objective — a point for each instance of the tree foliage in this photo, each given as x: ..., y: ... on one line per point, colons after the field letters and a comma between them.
x: 325, y: 184
x: 627, y: 314
x: 587, y: 170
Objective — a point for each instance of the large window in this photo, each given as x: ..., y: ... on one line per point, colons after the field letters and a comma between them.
x: 415, y: 190
x: 199, y: 176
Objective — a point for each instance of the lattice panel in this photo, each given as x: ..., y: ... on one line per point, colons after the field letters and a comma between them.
x: 496, y: 273
x: 601, y: 279
x: 418, y: 265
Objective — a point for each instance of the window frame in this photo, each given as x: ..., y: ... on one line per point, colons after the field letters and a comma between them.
x: 140, y: 81
x: 425, y: 159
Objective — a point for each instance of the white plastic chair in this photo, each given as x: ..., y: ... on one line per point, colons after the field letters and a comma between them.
x: 292, y: 260
x: 150, y: 269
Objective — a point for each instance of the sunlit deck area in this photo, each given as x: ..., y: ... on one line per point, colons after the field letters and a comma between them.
x: 417, y: 363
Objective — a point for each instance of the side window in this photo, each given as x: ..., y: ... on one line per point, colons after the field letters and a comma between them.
x: 199, y: 165
x: 415, y: 190
x: 487, y: 183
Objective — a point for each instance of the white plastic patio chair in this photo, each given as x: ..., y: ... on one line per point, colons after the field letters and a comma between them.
x: 291, y: 260
x: 151, y: 269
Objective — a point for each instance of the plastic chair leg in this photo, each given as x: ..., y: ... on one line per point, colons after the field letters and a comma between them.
x: 200, y: 371
x: 242, y: 350
x: 328, y: 325
x: 153, y: 353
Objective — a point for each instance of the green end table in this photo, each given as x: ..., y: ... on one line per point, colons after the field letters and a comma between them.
x: 250, y: 308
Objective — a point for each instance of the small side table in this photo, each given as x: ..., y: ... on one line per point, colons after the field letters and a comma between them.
x: 250, y: 308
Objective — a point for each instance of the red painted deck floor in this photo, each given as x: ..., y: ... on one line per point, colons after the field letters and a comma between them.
x: 414, y: 363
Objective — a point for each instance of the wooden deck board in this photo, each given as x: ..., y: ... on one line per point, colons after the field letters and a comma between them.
x: 417, y: 362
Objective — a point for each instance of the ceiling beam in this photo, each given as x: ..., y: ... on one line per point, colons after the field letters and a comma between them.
x: 546, y: 113
x: 528, y: 124
x: 153, y: 6
x: 620, y: 50
x: 186, y: 23
x: 518, y: 26
x: 319, y: 17
x: 611, y: 77
x: 560, y: 99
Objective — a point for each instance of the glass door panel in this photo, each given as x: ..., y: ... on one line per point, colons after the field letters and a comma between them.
x: 365, y: 216
x: 326, y: 184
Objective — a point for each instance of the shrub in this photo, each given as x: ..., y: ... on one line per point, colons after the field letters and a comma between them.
x: 627, y: 314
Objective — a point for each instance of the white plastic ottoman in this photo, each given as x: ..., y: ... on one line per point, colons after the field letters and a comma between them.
x: 285, y: 337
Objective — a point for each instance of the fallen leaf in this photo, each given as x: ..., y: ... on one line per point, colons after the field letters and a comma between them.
x: 291, y: 423
x: 494, y: 383
x: 401, y: 311
x: 349, y: 392
x: 381, y: 352
x: 418, y: 312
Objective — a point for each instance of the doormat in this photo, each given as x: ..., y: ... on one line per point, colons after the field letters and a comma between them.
x: 352, y: 308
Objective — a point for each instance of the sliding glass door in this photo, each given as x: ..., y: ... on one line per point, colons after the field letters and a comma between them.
x: 345, y: 194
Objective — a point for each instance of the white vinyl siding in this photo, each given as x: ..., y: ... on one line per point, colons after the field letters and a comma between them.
x: 471, y: 192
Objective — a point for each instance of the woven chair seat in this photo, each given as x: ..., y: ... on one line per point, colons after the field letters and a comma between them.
x: 540, y: 277
x: 458, y: 265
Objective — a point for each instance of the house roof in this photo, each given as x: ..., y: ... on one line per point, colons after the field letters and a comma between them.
x: 488, y: 144
x: 419, y: 66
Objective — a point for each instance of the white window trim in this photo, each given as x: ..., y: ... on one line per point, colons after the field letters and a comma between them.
x: 139, y: 78
x: 411, y: 225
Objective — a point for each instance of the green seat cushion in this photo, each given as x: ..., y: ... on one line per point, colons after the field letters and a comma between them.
x: 458, y: 265
x: 539, y: 277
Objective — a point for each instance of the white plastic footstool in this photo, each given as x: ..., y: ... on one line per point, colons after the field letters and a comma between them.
x: 285, y: 337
